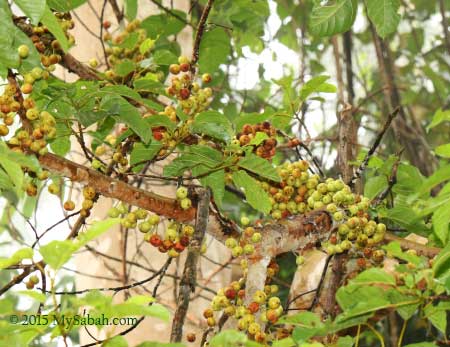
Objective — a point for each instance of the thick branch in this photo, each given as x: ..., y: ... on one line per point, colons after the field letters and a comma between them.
x: 189, y: 279
x: 116, y: 189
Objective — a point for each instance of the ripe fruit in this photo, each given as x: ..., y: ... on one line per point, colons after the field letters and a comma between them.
x: 174, y: 69
x: 69, y: 205
x: 88, y: 193
x: 182, y: 193
x: 26, y: 88
x: 155, y: 240
x: 31, y: 189
x: 4, y: 130
x: 190, y: 337
x: 23, y: 51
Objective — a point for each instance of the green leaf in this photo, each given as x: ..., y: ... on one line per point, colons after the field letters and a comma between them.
x: 65, y: 5
x: 204, y: 158
x: 443, y: 150
x: 259, y: 138
x: 118, y: 106
x: 160, y: 344
x: 394, y: 249
x: 259, y: 166
x: 287, y: 342
x: 38, y: 296
x: 374, y: 186
x: 24, y: 253
x: 164, y: 25
x: 316, y: 84
x: 125, y: 67
x: 441, y: 220
x: 254, y: 194
x: 159, y: 120
x: 146, y: 46
x: 142, y: 153
x: 214, y: 50
x: 216, y: 181
x: 397, y: 298
x: 437, y: 316
x: 14, y: 172
x: 214, y: 124
x: 333, y: 18
x: 439, y: 117
x: 441, y: 266
x: 148, y: 85
x: 439, y: 176
x: 374, y: 276
x: 57, y: 253
x: 33, y: 9
x: 422, y: 344
x: 345, y: 341
x: 164, y: 57
x: 131, y: 7
x: 116, y: 341
x: 50, y: 21
x: 229, y: 338
x: 384, y: 15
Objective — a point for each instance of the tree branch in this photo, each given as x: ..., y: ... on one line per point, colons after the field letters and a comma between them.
x: 200, y: 30
x: 189, y: 279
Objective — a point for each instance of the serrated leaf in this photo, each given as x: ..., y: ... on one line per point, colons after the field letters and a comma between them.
x: 65, y: 5
x: 142, y: 153
x: 38, y: 296
x: 201, y: 159
x: 441, y: 220
x: 146, y: 45
x: 148, y: 85
x: 439, y: 117
x: 334, y: 18
x: 125, y: 67
x: 439, y: 176
x: 164, y: 57
x: 441, y: 265
x: 116, y: 341
x: 131, y: 7
x: 50, y: 21
x: 384, y: 15
x: 259, y: 138
x: 127, y: 113
x: 164, y: 25
x: 395, y: 250
x: 159, y: 120
x: 228, y: 338
x: 254, y: 194
x: 18, y: 256
x: 214, y: 124
x: 437, y: 317
x: 216, y: 181
x: 214, y: 50
x: 259, y: 166
x: 57, y: 253
x: 316, y: 84
x: 32, y: 9
x: 443, y: 150
x: 374, y: 276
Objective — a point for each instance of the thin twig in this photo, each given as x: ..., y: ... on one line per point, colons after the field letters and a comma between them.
x: 373, y: 148
x: 200, y: 31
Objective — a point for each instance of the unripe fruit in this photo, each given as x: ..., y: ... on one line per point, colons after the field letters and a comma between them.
x: 29, y: 285
x: 237, y: 251
x: 113, y: 212
x: 185, y: 203
x: 300, y: 260
x: 31, y: 189
x: 26, y: 88
x: 182, y: 193
x: 256, y: 237
x: 53, y: 189
x: 34, y: 279
x: 183, y: 60
x: 4, y: 130
x: 245, y: 221
x: 154, y: 219
x: 338, y: 216
x: 249, y: 249
x: 87, y: 204
x: 259, y: 297
x: 23, y: 51
x: 254, y: 328
x: 211, y: 321
x: 93, y: 63
x: 69, y: 205
x: 144, y: 227
x: 88, y: 193
x: 230, y: 242
x: 141, y: 213
x: 274, y: 302
x: 206, y: 78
